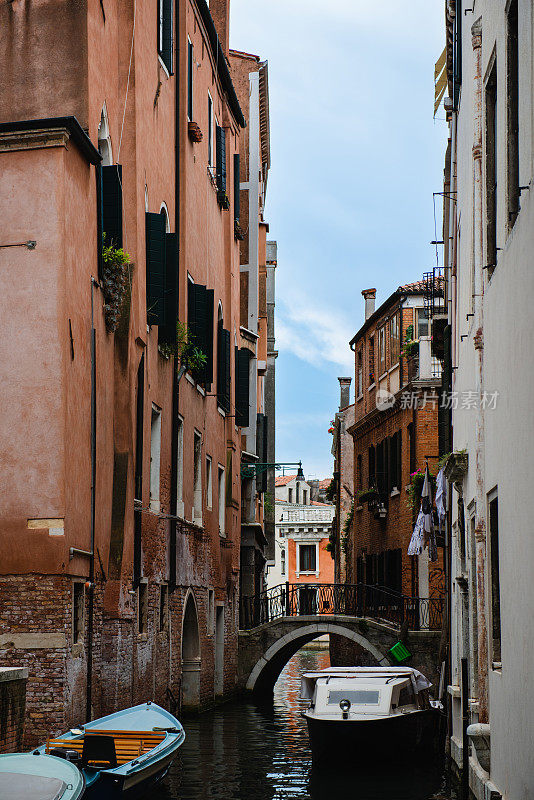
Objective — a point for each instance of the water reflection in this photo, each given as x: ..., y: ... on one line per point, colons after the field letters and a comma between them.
x: 244, y: 752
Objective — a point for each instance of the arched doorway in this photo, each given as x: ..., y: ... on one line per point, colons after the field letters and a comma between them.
x: 190, y: 656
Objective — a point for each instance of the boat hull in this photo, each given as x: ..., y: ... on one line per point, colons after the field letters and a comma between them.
x: 111, y: 786
x: 361, y: 742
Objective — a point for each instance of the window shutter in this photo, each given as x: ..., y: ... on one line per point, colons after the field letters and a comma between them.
x: 99, y: 220
x: 112, y: 204
x: 167, y: 332
x: 200, y: 327
x: 243, y: 388
x: 444, y: 414
x: 261, y: 450
x: 190, y: 81
x: 166, y: 49
x: 220, y: 156
x: 237, y: 190
x: 223, y: 367
x: 155, y: 268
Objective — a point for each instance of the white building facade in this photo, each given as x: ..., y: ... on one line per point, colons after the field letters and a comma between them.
x: 489, y: 259
x: 307, y: 524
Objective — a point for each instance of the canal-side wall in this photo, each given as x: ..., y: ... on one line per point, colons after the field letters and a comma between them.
x: 12, y: 708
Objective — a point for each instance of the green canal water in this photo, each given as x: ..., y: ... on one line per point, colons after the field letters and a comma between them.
x: 243, y: 752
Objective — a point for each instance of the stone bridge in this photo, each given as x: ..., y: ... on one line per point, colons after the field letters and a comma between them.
x: 264, y: 651
x: 279, y: 623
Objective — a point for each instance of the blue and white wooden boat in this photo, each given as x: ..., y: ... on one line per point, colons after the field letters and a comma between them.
x: 124, y: 754
x: 24, y: 776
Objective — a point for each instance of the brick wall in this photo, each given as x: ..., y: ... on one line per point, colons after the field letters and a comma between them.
x: 12, y: 708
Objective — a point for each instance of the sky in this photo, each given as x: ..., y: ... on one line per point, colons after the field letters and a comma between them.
x: 355, y: 159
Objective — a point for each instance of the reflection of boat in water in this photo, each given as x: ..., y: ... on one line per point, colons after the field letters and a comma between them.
x: 368, y: 713
x: 122, y: 755
x: 409, y: 782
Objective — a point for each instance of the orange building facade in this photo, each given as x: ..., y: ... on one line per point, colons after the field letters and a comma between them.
x: 120, y: 523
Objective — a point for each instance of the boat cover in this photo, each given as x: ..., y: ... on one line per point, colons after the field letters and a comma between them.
x: 308, y: 680
x: 17, y: 786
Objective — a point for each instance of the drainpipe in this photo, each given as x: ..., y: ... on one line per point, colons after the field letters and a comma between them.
x: 177, y: 373
x: 91, y: 586
x: 480, y: 528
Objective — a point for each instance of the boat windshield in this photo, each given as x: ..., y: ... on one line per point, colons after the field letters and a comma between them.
x: 361, y: 697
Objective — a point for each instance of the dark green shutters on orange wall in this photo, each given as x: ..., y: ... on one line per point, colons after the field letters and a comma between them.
x: 200, y: 327
x: 167, y: 332
x: 237, y: 190
x: 220, y: 162
x: 242, y: 389
x: 223, y: 367
x: 112, y: 204
x: 155, y: 268
x: 164, y: 33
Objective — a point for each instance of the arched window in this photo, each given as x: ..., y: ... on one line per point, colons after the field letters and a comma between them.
x: 164, y: 213
x: 104, y: 139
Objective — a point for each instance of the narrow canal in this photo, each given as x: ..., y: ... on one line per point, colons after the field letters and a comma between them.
x: 242, y: 752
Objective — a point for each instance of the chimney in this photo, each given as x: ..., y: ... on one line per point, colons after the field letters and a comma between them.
x: 369, y: 295
x: 220, y: 13
x: 344, y: 384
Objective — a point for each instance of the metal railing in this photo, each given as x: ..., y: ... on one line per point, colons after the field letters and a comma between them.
x: 356, y: 600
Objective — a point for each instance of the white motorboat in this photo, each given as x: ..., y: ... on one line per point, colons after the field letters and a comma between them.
x: 368, y: 713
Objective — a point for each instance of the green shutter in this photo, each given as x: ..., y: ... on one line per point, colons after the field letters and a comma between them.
x: 223, y: 367
x: 200, y: 325
x: 167, y: 332
x: 242, y: 389
x: 166, y: 51
x: 261, y: 450
x: 112, y: 204
x: 99, y: 220
x: 220, y: 156
x: 237, y: 190
x: 190, y: 81
x: 155, y: 268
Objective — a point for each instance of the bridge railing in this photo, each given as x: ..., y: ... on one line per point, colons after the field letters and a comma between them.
x: 358, y: 600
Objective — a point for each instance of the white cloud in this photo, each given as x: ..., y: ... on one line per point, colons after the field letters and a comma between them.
x: 314, y: 333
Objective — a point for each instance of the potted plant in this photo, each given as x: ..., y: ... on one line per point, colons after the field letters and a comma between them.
x: 116, y: 284
x: 194, y: 132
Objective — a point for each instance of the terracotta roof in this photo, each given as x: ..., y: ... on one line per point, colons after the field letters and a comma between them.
x: 317, y: 503
x: 419, y: 287
x: 325, y: 484
x: 283, y: 480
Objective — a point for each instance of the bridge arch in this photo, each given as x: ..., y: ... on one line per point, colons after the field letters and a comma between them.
x: 265, y: 672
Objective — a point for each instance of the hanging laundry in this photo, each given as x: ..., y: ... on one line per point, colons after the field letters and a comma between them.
x: 441, y: 496
x: 415, y: 548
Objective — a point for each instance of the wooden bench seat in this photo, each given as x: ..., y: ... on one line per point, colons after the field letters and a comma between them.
x: 127, y: 747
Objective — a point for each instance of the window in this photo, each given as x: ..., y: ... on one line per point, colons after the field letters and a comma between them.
x: 382, y: 350
x: 394, y: 338
x: 78, y: 612
x: 371, y: 359
x: 211, y: 612
x: 222, y: 501
x: 210, y: 131
x: 180, y: 466
x: 495, y: 578
x: 491, y: 170
x: 155, y: 457
x: 165, y: 33
x: 155, y: 235
x: 223, y: 366
x: 163, y: 607
x: 421, y: 318
x: 372, y: 468
x: 242, y: 386
x: 307, y: 558
x: 237, y: 187
x: 290, y: 495
x: 360, y: 372
x: 283, y: 561
x: 395, y: 455
x: 305, y: 497
x: 197, y: 478
x: 142, y: 608
x: 209, y: 492
x: 200, y: 302
x: 297, y: 493
x: 220, y: 157
x: 513, y: 113
x: 359, y: 477
x: 190, y: 62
